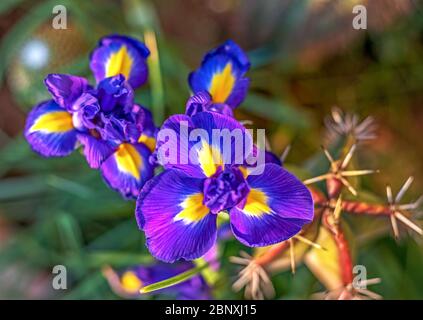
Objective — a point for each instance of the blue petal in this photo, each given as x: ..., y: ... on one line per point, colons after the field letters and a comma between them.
x: 116, y: 54
x: 222, y: 74
x: 49, y: 130
x: 276, y: 209
x: 176, y: 223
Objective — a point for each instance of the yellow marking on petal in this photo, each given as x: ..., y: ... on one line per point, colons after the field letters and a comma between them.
x: 222, y: 84
x: 120, y: 62
x: 193, y: 209
x: 256, y: 204
x: 150, y: 142
x: 130, y: 282
x: 53, y: 122
x: 209, y: 159
x: 129, y: 160
x: 244, y: 170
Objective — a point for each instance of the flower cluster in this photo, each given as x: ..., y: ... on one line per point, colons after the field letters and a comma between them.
x: 117, y: 134
x: 178, y: 208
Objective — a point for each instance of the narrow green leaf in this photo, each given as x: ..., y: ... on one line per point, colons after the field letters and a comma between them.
x: 69, y: 232
x: 69, y: 186
x: 173, y: 280
x: 156, y: 82
x: 12, y: 188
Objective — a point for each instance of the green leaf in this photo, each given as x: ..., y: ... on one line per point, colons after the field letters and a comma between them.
x: 173, y: 280
x: 13, y: 188
x: 70, y: 186
x: 69, y: 232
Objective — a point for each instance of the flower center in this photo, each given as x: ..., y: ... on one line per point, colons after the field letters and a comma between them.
x: 225, y: 189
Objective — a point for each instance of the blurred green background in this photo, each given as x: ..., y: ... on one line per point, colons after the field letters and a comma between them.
x: 306, y: 58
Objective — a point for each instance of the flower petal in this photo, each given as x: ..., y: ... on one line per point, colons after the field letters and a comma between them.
x: 198, y: 145
x: 116, y: 54
x: 202, y: 101
x: 176, y: 223
x: 50, y: 131
x: 145, y: 124
x: 221, y: 74
x: 127, y: 169
x: 66, y: 88
x: 95, y: 150
x: 229, y: 142
x: 276, y: 208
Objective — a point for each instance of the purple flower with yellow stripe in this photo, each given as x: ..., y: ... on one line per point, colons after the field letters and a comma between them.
x: 127, y: 283
x: 118, y: 54
x: 178, y: 208
x: 117, y: 135
x: 219, y: 84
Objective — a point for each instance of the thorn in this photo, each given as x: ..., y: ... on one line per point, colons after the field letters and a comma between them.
x: 348, y: 185
x: 337, y: 115
x: 285, y: 153
x: 337, y: 210
x: 404, y: 189
x: 245, y: 255
x: 292, y: 255
x: 394, y: 226
x: 370, y: 294
x: 389, y: 194
x: 411, y: 206
x: 348, y: 157
x: 328, y: 155
x: 309, y: 242
x: 353, y: 173
x: 239, y: 260
x: 370, y: 282
x: 408, y: 223
x: 317, y: 179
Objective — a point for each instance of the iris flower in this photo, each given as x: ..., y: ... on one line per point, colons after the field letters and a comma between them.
x: 117, y: 134
x: 178, y: 208
x: 219, y: 84
x: 128, y: 282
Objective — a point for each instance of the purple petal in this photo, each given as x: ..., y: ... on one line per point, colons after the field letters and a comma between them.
x: 66, y: 88
x: 115, y: 92
x: 276, y: 209
x: 179, y: 146
x: 116, y: 54
x: 49, y: 130
x: 127, y: 169
x: 227, y: 129
x: 95, y: 150
x: 201, y: 102
x: 176, y: 223
x: 221, y: 74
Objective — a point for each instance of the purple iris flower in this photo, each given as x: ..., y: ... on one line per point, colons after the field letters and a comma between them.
x: 120, y: 54
x: 219, y: 84
x: 128, y: 283
x: 178, y: 208
x: 117, y: 135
